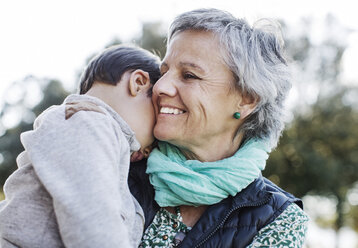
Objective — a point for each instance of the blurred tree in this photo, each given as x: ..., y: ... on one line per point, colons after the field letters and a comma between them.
x: 318, y: 152
x: 317, y: 62
x: 353, y: 217
x: 153, y: 38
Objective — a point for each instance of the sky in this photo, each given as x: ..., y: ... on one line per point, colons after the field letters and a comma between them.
x: 54, y: 38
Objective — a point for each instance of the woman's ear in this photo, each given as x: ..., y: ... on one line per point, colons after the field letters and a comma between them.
x: 138, y: 81
x: 246, y: 105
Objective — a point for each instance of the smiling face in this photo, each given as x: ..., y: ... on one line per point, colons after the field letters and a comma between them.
x: 195, y: 100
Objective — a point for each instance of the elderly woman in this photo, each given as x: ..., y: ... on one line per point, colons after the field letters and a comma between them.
x: 219, y: 107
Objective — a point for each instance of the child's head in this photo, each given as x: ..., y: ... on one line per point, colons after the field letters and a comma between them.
x: 122, y: 76
x: 110, y: 65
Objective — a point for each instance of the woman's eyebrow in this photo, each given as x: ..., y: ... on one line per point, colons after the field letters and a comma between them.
x: 195, y: 66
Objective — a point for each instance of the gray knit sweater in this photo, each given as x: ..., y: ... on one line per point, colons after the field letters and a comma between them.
x: 70, y: 188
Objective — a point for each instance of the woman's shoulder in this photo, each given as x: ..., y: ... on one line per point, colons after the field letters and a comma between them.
x: 287, y: 230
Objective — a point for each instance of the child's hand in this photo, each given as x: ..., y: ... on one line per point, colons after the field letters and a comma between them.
x: 137, y: 156
x: 143, y: 153
x: 73, y: 107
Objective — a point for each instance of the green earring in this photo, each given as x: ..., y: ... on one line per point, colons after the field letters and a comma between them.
x: 237, y: 115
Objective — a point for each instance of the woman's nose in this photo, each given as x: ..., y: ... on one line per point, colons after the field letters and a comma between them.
x: 164, y: 86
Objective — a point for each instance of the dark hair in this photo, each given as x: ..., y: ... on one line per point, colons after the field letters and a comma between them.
x: 109, y: 66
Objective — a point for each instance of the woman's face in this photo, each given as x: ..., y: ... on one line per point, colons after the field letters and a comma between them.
x: 195, y: 100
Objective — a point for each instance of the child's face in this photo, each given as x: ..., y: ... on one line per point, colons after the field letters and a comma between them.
x: 144, y: 119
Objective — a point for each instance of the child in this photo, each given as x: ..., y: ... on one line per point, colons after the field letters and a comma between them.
x: 71, y: 185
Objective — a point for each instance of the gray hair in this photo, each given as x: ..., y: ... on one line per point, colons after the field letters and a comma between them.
x: 255, y: 56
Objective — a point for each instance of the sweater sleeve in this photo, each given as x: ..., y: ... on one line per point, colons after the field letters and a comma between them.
x: 287, y: 230
x: 77, y: 162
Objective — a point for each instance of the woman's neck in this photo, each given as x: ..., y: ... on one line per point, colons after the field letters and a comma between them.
x: 212, y: 151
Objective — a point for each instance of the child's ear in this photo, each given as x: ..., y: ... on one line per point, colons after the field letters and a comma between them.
x: 139, y: 81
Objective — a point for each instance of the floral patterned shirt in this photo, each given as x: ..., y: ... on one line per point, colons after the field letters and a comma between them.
x: 287, y: 230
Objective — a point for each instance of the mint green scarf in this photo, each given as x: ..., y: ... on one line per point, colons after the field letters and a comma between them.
x: 178, y: 181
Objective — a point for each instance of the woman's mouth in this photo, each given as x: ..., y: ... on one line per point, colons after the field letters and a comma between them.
x: 171, y: 110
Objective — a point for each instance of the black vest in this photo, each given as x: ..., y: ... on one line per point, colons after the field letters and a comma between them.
x: 233, y: 222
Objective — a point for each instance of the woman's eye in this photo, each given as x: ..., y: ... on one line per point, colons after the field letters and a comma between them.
x: 189, y: 76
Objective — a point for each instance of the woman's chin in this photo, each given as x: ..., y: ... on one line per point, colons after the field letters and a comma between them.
x: 162, y: 133
x: 159, y: 135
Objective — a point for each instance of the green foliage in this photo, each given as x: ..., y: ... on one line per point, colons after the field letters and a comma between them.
x: 320, y: 146
x: 317, y: 153
x: 153, y: 38
x: 352, y: 217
